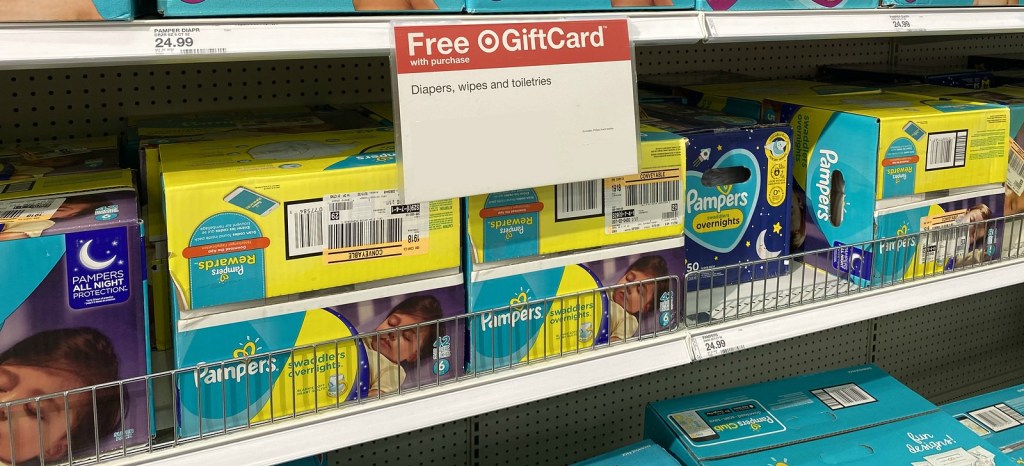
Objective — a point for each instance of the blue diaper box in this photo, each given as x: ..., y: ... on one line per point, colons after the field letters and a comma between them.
x: 998, y: 417
x: 646, y: 453
x: 757, y: 5
x: 193, y: 8
x: 517, y: 6
x: 853, y: 416
x: 737, y: 192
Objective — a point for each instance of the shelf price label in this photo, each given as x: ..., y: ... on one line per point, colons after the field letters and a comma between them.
x: 189, y: 40
x: 904, y: 23
x: 713, y: 344
x: 492, y: 107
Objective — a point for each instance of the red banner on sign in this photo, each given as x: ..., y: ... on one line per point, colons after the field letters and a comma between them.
x: 423, y: 49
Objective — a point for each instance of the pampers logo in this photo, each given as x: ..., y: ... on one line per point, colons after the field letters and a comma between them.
x: 237, y: 371
x: 518, y: 312
x: 226, y: 266
x: 509, y: 227
x: 753, y: 424
x: 824, y: 183
x: 696, y: 203
x: 721, y: 199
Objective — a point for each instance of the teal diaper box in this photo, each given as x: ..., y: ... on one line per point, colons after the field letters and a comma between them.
x: 749, y: 5
x: 737, y: 192
x: 646, y: 453
x: 533, y: 310
x: 998, y: 417
x: 853, y: 416
x: 70, y: 10
x: 186, y: 8
x: 946, y: 3
x: 518, y: 6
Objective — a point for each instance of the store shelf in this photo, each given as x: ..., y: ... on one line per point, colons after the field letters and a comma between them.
x: 27, y: 46
x: 310, y: 435
x: 848, y: 24
x: 859, y: 305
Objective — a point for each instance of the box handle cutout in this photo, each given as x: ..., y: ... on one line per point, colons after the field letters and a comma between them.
x: 837, y: 198
x: 724, y: 176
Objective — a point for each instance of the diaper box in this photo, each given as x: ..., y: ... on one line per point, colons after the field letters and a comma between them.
x: 745, y: 99
x: 963, y: 228
x: 737, y: 192
x: 946, y: 3
x: 78, y: 10
x: 645, y: 453
x: 145, y: 135
x: 347, y: 347
x: 73, y: 313
x: 50, y: 158
x: 755, y: 5
x: 519, y: 6
x: 998, y: 417
x: 533, y: 310
x: 904, y: 74
x: 853, y: 416
x: 270, y: 216
x: 572, y: 216
x: 186, y: 8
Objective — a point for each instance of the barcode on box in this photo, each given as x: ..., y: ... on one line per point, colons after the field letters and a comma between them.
x: 652, y: 193
x: 364, y: 233
x: 584, y: 199
x: 304, y: 228
x: 843, y: 396
x: 998, y: 418
x: 9, y: 214
x: 946, y: 150
x: 203, y: 51
x: 338, y: 206
x: 1015, y: 169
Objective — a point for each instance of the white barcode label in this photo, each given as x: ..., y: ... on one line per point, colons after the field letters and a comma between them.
x: 584, y: 199
x: 204, y: 51
x: 645, y: 201
x: 843, y: 396
x: 17, y: 187
x: 369, y: 225
x: 29, y: 210
x: 304, y: 228
x: 949, y: 243
x: 998, y: 418
x: 946, y: 150
x: 1015, y: 169
x: 652, y: 193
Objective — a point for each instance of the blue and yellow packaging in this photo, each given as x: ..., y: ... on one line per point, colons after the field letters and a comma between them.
x: 524, y: 327
x: 997, y: 417
x: 247, y: 374
x: 645, y: 453
x: 186, y: 8
x: 853, y: 416
x: 737, y: 190
x: 519, y: 6
x: 78, y: 10
x: 73, y: 312
x: 850, y: 151
x: 269, y: 216
x: 758, y: 5
x: 551, y: 219
x: 746, y: 99
x: 885, y: 74
x: 946, y: 3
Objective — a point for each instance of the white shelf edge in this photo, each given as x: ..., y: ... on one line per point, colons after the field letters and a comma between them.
x: 47, y: 45
x: 314, y: 434
x: 724, y: 27
x: 860, y: 306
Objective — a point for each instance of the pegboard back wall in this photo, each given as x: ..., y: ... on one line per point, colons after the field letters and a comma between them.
x: 81, y: 102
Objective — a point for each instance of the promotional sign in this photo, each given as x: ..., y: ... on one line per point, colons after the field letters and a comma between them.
x: 494, y: 107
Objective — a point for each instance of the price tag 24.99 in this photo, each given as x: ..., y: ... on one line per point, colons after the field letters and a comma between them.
x: 901, y: 22
x: 189, y: 40
x: 711, y: 345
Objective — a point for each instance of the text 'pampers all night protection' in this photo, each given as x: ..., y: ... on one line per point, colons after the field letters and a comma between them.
x: 737, y: 191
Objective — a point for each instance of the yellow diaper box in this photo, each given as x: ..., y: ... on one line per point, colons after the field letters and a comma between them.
x: 746, y: 99
x: 551, y: 219
x: 260, y: 217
